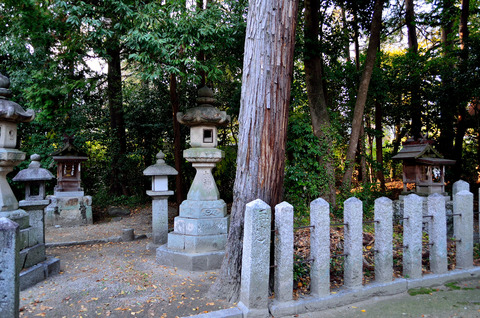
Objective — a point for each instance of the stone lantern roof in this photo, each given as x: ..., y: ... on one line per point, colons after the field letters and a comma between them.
x: 160, y: 168
x: 34, y: 172
x: 11, y: 111
x: 205, y: 113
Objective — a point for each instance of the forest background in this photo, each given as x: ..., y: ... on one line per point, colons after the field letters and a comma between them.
x: 115, y: 72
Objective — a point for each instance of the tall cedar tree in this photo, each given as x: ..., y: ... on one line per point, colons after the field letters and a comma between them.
x: 264, y: 104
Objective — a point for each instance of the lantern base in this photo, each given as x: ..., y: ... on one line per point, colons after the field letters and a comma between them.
x: 189, y: 261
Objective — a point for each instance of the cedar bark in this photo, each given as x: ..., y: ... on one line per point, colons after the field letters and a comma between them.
x: 357, y: 121
x: 316, y: 94
x: 177, y: 140
x: 266, y: 81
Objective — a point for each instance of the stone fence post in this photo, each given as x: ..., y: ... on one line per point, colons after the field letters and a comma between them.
x: 9, y: 259
x: 463, y: 228
x: 437, y: 234
x: 320, y: 247
x: 283, y: 251
x: 256, y: 260
x: 353, y: 239
x: 412, y: 237
x: 383, y: 240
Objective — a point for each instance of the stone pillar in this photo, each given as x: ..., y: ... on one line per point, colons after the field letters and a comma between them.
x: 383, y: 240
x: 283, y: 251
x: 353, y: 239
x: 256, y: 260
x: 460, y: 185
x: 320, y: 248
x: 9, y: 281
x: 437, y: 234
x: 412, y: 237
x: 463, y: 228
x: 160, y: 219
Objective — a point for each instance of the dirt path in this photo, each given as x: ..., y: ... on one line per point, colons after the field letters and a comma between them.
x: 115, y: 279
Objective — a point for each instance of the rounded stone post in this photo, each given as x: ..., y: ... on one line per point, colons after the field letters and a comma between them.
x: 320, y: 247
x: 412, y: 237
x: 383, y: 240
x: 353, y: 239
x: 463, y: 228
x: 9, y: 280
x: 256, y: 259
x: 438, y: 234
x: 283, y: 251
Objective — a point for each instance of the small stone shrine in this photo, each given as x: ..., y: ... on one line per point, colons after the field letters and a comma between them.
x: 70, y: 206
x: 32, y: 262
x: 34, y: 178
x: 200, y: 231
x: 423, y: 166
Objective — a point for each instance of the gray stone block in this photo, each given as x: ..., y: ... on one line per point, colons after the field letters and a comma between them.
x: 32, y: 276
x: 383, y: 240
x: 234, y: 312
x: 189, y: 261
x: 353, y: 238
x: 207, y: 226
x: 283, y: 279
x: 320, y: 247
x: 23, y: 238
x: 203, y: 209
x: 176, y: 241
x: 32, y: 255
x: 9, y: 263
x: 412, y: 237
x: 205, y: 243
x: 18, y: 216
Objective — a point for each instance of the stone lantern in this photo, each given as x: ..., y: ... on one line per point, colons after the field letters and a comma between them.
x: 200, y: 231
x: 34, y: 178
x: 33, y: 264
x: 159, y: 193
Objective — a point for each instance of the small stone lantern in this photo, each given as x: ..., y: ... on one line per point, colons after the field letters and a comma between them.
x: 34, y: 177
x: 159, y: 193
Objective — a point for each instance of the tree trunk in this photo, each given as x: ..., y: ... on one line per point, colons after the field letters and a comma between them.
x: 379, y: 144
x: 177, y: 140
x: 117, y: 123
x: 415, y: 100
x: 263, y: 118
x: 316, y: 94
x: 357, y: 121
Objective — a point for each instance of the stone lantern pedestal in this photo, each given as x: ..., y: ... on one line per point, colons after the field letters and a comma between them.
x: 200, y: 231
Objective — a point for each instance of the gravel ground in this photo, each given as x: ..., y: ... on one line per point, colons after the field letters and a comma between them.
x: 115, y: 279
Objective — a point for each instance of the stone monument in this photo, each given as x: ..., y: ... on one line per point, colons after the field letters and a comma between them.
x: 70, y: 206
x: 200, y: 231
x: 37, y: 266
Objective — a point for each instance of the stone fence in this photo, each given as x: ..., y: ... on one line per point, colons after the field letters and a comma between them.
x: 254, y: 294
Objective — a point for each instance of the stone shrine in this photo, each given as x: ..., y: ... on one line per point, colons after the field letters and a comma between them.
x: 200, y: 231
x: 70, y: 206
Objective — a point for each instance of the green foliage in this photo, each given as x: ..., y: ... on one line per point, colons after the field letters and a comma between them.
x: 421, y: 291
x: 367, y: 193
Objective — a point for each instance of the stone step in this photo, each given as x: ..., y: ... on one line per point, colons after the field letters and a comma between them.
x: 31, y: 256
x: 196, y: 243
x: 28, y: 237
x: 39, y: 272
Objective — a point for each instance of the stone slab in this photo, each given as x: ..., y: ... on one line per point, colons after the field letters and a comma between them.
x: 37, y: 273
x: 196, y: 244
x: 203, y: 209
x: 189, y: 261
x: 31, y: 256
x: 210, y: 226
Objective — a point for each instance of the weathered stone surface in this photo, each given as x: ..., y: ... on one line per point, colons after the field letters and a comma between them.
x: 205, y: 226
x: 437, y: 234
x: 383, y: 240
x: 320, y: 247
x: 195, y: 243
x: 203, y: 209
x: 160, y: 219
x: 463, y: 228
x: 9, y: 263
x: 256, y: 256
x: 412, y: 237
x: 283, y: 284
x: 189, y: 261
x: 460, y: 185
x: 353, y: 239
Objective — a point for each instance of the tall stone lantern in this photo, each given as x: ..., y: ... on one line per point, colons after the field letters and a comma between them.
x: 200, y: 231
x: 10, y: 115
